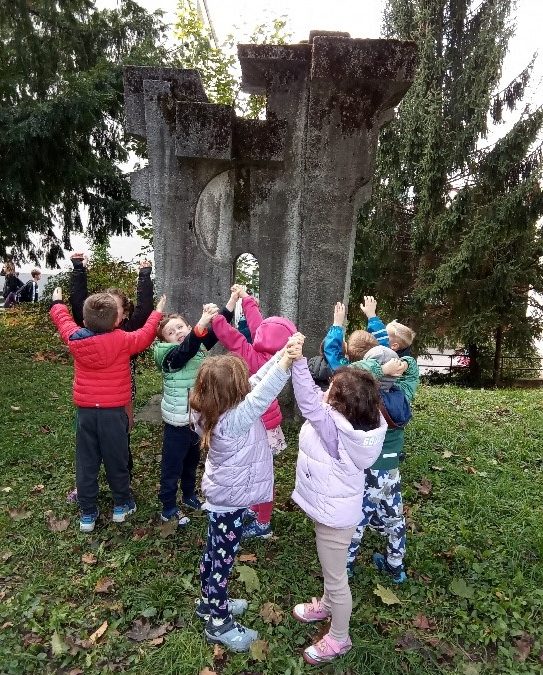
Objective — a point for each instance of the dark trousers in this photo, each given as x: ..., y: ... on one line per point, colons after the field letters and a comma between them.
x: 101, y: 436
x: 180, y: 458
x: 223, y: 538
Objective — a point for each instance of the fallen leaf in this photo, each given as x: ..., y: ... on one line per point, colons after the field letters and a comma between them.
x: 471, y: 469
x: 438, y: 468
x: 523, y: 646
x: 424, y: 487
x: 149, y: 612
x: 32, y: 639
x: 471, y: 669
x: 139, y: 533
x: 218, y: 653
x: 248, y: 557
x: 141, y: 630
x: 386, y: 595
x: 259, y: 650
x: 6, y: 555
x: 58, y: 646
x: 8, y: 624
x: 461, y: 589
x: 45, y: 429
x: 169, y: 528
x: 421, y: 621
x: 408, y: 642
x: 6, y: 489
x: 271, y: 613
x: 207, y: 671
x: 98, y: 633
x: 249, y: 577
x: 156, y: 641
x: 56, y: 524
x: 104, y: 585
x: 19, y: 514
x: 447, y: 454
x: 37, y: 489
x: 15, y: 408
x: 89, y: 559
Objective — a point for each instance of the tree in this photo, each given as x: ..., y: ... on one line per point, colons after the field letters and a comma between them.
x: 218, y: 64
x: 61, y: 134
x: 449, y: 241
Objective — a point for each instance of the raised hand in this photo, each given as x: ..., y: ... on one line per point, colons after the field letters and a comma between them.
x: 209, y: 312
x: 394, y: 367
x: 79, y: 255
x: 369, y: 306
x: 339, y: 314
x: 294, y: 351
x: 161, y: 304
x: 144, y: 264
x: 240, y: 290
x: 57, y: 294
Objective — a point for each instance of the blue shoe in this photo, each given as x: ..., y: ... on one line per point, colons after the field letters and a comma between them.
x: 121, y: 513
x: 192, y: 502
x: 256, y: 531
x: 350, y: 570
x: 397, y: 573
x: 231, y: 634
x: 174, y: 512
x: 87, y: 521
x: 249, y: 515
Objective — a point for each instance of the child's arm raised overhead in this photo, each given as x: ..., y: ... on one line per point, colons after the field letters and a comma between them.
x: 144, y: 298
x: 375, y: 326
x: 209, y: 340
x: 251, y: 310
x: 78, y: 286
x: 179, y: 356
x: 333, y: 342
x: 240, y: 419
x: 235, y: 342
x: 138, y: 340
x: 60, y: 316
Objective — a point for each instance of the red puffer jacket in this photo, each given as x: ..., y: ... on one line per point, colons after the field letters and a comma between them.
x: 102, y: 362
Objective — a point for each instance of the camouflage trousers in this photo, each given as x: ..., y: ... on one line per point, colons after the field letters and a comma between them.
x: 383, y: 512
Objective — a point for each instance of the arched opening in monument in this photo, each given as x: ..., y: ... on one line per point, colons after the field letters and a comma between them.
x: 247, y: 272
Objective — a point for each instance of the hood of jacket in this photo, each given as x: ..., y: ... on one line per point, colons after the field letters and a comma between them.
x: 352, y: 440
x: 272, y: 334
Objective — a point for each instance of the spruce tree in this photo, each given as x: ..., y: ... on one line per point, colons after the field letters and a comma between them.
x: 61, y: 114
x: 449, y: 241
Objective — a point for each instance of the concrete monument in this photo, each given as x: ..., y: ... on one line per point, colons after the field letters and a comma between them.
x: 286, y: 189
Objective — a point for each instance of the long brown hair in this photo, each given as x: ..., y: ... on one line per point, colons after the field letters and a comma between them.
x: 354, y: 393
x: 222, y: 382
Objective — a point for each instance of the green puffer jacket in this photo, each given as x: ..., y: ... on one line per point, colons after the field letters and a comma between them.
x: 394, y: 438
x: 175, y: 404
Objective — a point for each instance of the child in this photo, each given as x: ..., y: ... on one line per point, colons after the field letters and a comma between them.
x: 394, y: 335
x: 101, y: 391
x: 269, y: 336
x: 12, y: 284
x: 238, y: 473
x: 129, y: 318
x: 179, y: 355
x: 30, y: 291
x: 320, y: 370
x: 342, y: 436
x: 337, y: 352
x: 383, y: 503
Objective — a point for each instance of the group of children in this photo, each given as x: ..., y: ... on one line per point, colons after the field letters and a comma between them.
x: 350, y: 446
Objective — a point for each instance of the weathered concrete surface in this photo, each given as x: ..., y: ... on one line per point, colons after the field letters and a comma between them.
x: 286, y: 189
x: 150, y: 412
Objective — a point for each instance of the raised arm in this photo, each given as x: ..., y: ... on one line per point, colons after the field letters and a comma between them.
x: 78, y: 287
x: 309, y: 399
x: 60, y: 316
x: 210, y: 340
x: 375, y: 326
x: 235, y: 342
x: 144, y: 298
x: 252, y: 313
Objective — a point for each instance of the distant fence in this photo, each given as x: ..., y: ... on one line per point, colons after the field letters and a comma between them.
x: 511, y: 367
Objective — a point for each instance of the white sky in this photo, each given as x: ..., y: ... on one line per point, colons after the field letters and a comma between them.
x: 361, y: 18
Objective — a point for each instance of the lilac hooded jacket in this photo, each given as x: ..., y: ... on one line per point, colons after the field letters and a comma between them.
x: 239, y: 464
x: 332, y: 457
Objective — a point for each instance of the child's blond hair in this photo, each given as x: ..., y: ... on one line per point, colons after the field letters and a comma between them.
x: 358, y: 343
x: 401, y: 334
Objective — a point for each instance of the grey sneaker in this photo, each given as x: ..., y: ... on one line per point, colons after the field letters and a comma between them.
x: 231, y: 634
x: 236, y: 607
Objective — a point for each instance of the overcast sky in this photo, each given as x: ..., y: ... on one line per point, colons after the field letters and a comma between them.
x: 361, y: 18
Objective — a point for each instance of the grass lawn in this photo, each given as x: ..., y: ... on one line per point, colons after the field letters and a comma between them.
x: 473, y: 603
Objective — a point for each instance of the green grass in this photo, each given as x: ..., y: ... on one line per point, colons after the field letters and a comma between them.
x: 480, y: 524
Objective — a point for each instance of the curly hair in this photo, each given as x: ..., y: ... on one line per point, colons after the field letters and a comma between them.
x: 354, y: 393
x: 222, y: 382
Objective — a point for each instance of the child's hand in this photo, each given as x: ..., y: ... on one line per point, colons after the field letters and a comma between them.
x: 297, y: 338
x: 145, y: 264
x: 161, y: 304
x: 234, y: 297
x: 209, y: 312
x: 339, y: 314
x: 394, y: 367
x: 294, y: 351
x: 80, y: 256
x: 57, y: 294
x: 369, y: 306
x: 239, y: 290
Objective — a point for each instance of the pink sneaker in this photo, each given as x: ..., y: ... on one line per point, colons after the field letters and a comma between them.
x: 307, y: 612
x: 326, y: 649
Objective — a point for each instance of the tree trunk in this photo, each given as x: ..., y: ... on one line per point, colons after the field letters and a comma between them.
x: 474, y: 365
x: 496, y: 369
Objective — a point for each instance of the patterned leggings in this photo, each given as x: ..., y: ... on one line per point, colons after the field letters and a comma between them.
x: 223, y: 537
x: 383, y: 512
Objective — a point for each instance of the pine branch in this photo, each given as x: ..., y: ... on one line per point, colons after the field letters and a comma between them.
x: 511, y: 93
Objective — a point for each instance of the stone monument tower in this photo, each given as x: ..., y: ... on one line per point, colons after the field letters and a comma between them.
x: 286, y: 189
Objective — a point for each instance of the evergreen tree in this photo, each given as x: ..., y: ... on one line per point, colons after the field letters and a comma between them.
x: 61, y: 113
x: 449, y: 241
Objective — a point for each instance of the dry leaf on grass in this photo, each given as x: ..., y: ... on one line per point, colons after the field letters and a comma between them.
x: 6, y: 555
x: 37, y: 489
x: 15, y: 408
x: 422, y: 622
x: 447, y: 454
x: 424, y: 488
x: 104, y: 585
x: 386, y: 595
x: 19, y: 514
x: 249, y: 577
x: 207, y: 671
x: 98, y: 633
x: 247, y: 557
x: 259, y: 650
x: 89, y: 559
x: 141, y: 630
x: 218, y: 653
x: 168, y: 529
x: 6, y: 489
x: 156, y: 641
x: 271, y: 613
x: 523, y: 646
x: 56, y: 524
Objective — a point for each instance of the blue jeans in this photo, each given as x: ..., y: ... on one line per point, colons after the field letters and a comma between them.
x: 180, y: 458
